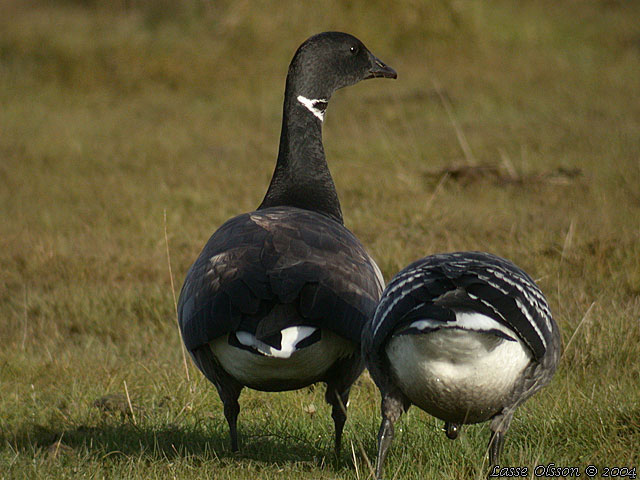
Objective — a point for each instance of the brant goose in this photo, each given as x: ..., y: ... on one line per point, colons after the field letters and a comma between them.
x: 465, y: 336
x: 278, y: 297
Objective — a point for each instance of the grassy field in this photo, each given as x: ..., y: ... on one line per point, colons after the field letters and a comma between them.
x: 132, y: 129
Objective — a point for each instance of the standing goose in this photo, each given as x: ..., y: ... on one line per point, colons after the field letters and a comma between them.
x: 278, y: 297
x: 465, y: 336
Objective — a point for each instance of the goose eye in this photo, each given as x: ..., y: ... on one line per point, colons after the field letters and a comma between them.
x: 353, y: 49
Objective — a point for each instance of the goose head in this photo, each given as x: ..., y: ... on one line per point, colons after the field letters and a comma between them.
x: 329, y: 61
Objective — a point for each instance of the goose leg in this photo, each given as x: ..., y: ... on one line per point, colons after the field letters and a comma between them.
x: 499, y: 426
x: 228, y: 388
x: 385, y: 436
x: 231, y: 411
x: 339, y: 380
x: 393, y: 404
x: 338, y: 402
x: 496, y: 442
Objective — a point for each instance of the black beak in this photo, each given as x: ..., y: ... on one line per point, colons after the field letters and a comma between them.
x: 379, y: 69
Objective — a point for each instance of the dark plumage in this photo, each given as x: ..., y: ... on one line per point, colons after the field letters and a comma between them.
x: 466, y: 336
x: 278, y: 297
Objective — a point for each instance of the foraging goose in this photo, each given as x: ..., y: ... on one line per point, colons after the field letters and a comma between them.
x: 465, y: 336
x: 278, y: 297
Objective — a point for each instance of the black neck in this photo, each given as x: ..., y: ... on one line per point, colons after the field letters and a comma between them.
x: 301, y: 177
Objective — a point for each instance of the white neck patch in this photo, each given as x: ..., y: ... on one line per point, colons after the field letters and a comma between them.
x: 317, y: 106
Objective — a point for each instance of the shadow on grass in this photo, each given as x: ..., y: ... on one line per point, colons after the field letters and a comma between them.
x: 168, y: 442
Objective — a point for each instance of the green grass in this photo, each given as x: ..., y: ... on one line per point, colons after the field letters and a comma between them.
x: 115, y: 113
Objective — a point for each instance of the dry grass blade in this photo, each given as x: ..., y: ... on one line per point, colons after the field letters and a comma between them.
x: 175, y: 302
x: 436, y: 190
x: 462, y: 139
x: 126, y: 391
x: 568, y: 240
x: 397, y: 472
x: 25, y: 320
x: 355, y: 461
x: 584, y: 318
x: 58, y: 443
x: 508, y: 165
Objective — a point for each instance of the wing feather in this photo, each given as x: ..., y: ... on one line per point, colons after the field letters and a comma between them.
x: 465, y: 282
x: 278, y: 256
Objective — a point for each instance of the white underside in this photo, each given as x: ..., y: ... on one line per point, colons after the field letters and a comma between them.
x: 458, y: 375
x: 256, y: 370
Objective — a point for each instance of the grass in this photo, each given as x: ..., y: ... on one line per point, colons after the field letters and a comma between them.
x: 115, y: 113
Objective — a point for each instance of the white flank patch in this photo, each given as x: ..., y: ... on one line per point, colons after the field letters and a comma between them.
x: 291, y: 336
x: 309, y: 103
x: 467, y: 320
x: 479, y: 322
